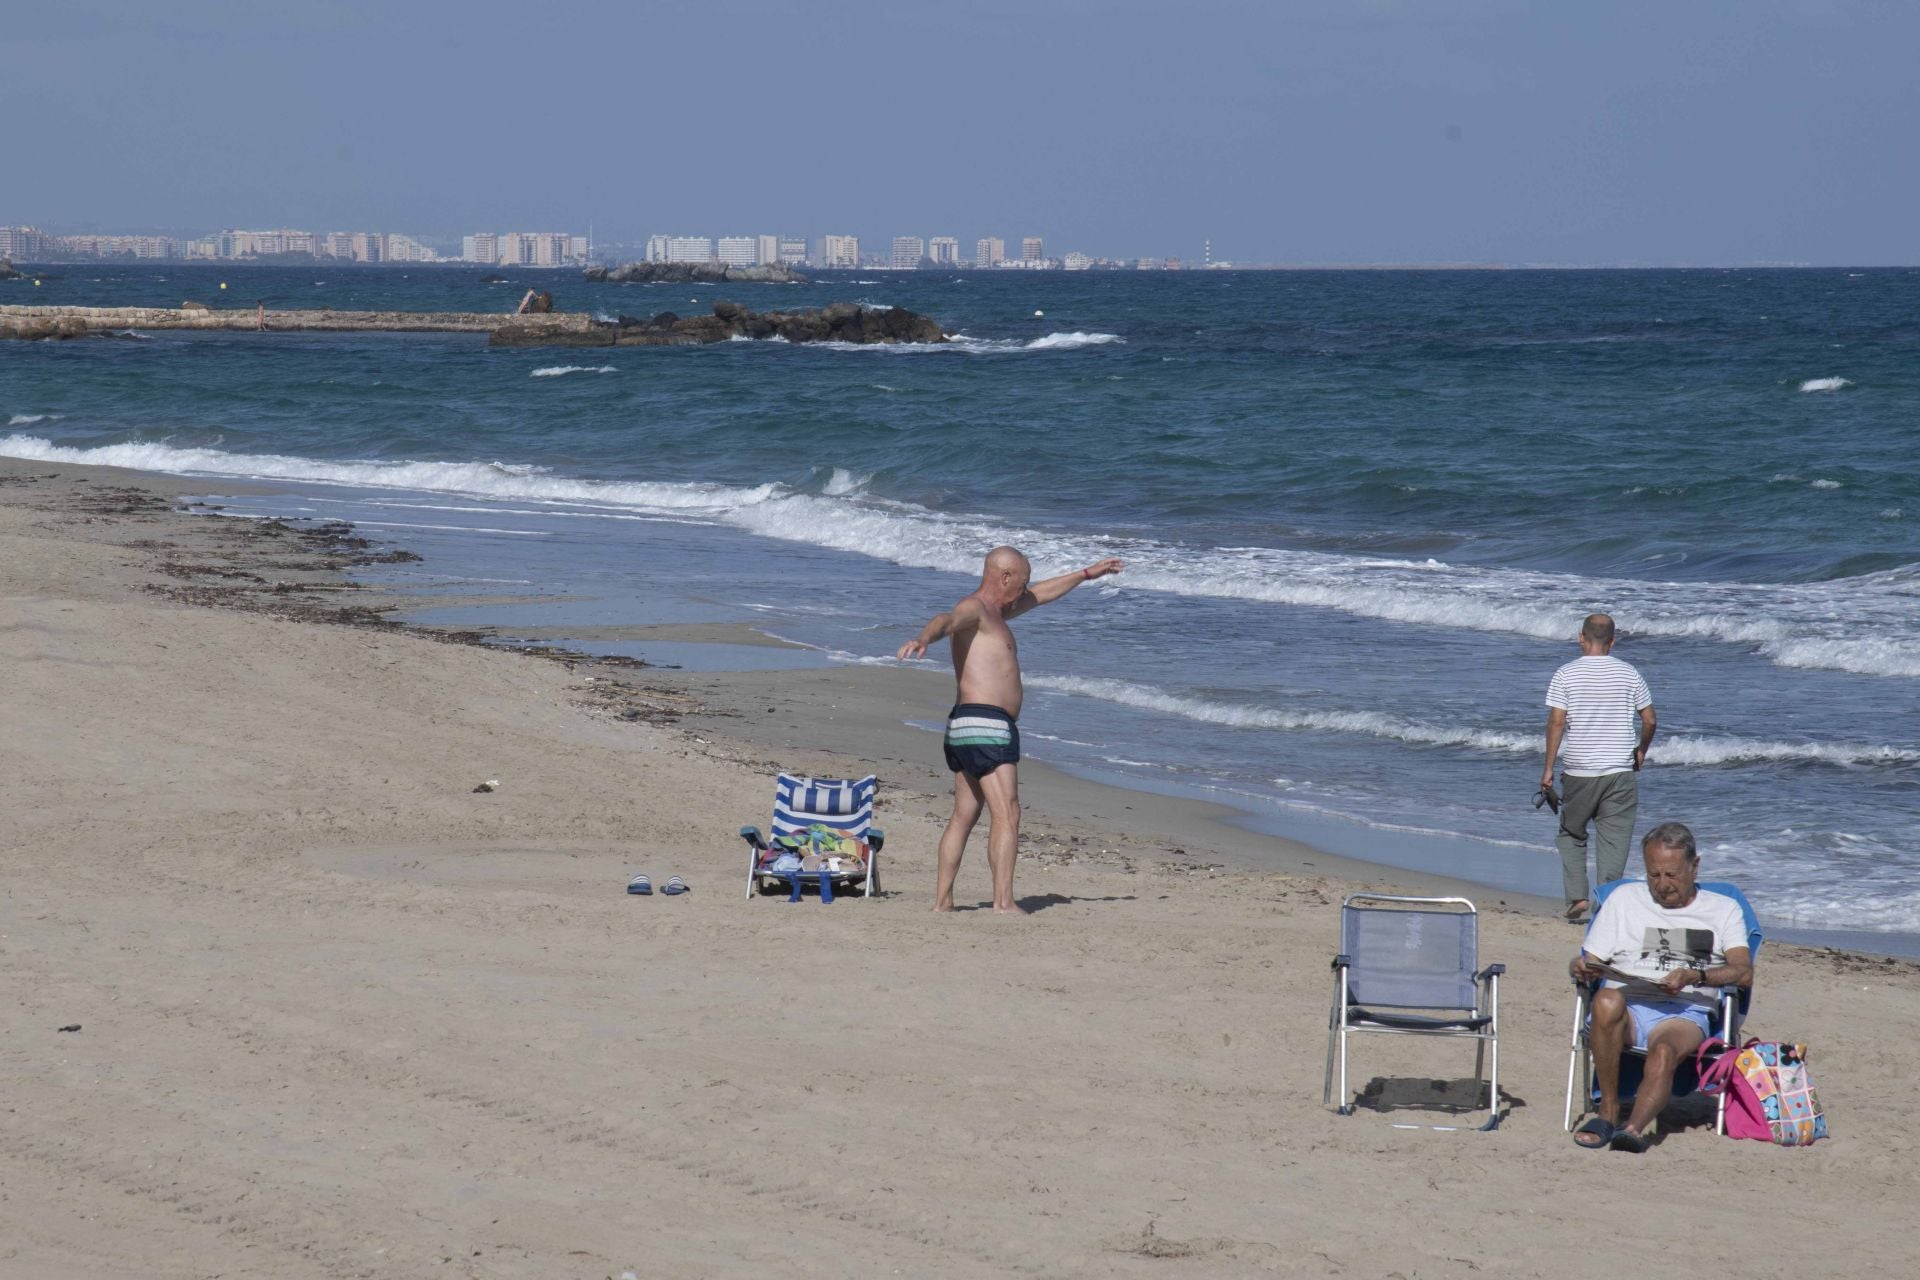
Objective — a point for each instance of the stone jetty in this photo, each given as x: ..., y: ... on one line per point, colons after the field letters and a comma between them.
x: 841, y: 322
x: 71, y: 322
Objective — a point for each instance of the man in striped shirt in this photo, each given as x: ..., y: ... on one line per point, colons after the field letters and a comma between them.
x: 1593, y: 704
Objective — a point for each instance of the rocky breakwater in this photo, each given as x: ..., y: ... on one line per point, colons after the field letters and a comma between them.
x: 694, y: 273
x: 841, y: 322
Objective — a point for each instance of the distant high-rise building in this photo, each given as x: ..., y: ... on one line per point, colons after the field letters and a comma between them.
x: 907, y: 252
x: 339, y: 245
x: 118, y: 246
x: 578, y: 248
x: 659, y: 248
x: 840, y: 251
x: 1076, y: 262
x: 766, y: 250
x: 737, y: 251
x: 989, y: 251
x: 944, y: 251
x: 1031, y: 250
x: 689, y: 249
x: 793, y: 251
x: 25, y: 244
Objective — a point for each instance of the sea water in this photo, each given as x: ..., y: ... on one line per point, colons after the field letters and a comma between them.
x: 1363, y: 515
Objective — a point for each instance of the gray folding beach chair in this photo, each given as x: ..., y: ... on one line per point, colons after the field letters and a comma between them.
x: 1410, y: 966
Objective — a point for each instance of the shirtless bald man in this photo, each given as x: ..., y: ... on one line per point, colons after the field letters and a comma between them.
x: 982, y: 741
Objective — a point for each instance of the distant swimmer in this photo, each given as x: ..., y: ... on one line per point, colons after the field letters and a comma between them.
x: 983, y: 738
x: 1592, y: 705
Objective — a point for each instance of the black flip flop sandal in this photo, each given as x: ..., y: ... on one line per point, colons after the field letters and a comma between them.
x: 1605, y: 1130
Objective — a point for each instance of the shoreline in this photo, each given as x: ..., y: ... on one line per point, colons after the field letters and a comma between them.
x: 293, y: 998
x: 867, y: 731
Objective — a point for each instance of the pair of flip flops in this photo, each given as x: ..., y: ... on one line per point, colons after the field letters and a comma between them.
x: 673, y: 888
x: 1610, y: 1135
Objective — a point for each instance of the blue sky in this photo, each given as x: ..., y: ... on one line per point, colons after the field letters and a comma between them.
x: 1365, y: 131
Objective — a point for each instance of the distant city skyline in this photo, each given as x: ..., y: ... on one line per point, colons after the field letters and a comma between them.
x: 1311, y: 131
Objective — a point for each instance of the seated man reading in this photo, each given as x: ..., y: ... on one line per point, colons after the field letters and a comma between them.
x: 1661, y: 949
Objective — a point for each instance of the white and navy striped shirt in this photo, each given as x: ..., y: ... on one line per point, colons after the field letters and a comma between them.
x: 1602, y: 697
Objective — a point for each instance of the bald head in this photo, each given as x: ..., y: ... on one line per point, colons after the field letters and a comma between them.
x: 1598, y: 628
x: 1006, y: 560
x: 1005, y: 574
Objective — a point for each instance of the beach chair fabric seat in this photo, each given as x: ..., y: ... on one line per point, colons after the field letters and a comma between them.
x: 1410, y: 966
x: 1733, y: 1004
x: 800, y: 802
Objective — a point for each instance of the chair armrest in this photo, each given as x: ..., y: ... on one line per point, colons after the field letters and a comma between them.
x: 875, y: 838
x: 753, y: 837
x: 1491, y: 971
x: 1343, y: 962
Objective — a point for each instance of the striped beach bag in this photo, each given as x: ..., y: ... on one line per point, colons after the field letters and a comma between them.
x: 1770, y: 1095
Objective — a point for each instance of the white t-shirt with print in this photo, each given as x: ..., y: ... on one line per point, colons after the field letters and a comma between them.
x: 1635, y: 934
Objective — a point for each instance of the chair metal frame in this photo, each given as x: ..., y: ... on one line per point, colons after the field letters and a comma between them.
x: 757, y: 845
x: 1481, y: 1024
x: 1733, y: 1003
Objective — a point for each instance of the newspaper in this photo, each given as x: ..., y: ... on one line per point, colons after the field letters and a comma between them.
x: 1640, y: 987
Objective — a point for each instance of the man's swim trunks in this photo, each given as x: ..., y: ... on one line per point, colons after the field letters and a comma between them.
x: 980, y: 739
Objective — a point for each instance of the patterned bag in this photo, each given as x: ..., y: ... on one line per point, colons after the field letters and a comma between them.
x: 1769, y: 1091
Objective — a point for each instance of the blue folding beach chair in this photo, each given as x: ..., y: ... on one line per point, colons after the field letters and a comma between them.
x: 1733, y: 1002
x: 1410, y: 966
x: 799, y: 803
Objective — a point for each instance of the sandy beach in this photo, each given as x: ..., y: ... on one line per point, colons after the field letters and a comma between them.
x: 337, y: 1015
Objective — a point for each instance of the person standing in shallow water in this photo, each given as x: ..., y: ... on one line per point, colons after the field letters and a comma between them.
x: 1592, y: 705
x: 982, y: 741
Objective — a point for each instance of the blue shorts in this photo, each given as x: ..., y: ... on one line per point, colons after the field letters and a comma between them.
x: 1649, y: 1014
x: 980, y: 739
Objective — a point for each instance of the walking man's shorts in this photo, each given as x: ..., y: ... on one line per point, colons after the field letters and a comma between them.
x: 980, y: 739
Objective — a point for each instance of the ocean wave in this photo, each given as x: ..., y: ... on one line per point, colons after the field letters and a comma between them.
x: 28, y: 419
x: 962, y: 344
x: 561, y: 370
x: 1068, y: 341
x: 1861, y: 624
x: 1824, y: 384
x: 844, y: 482
x: 1680, y: 750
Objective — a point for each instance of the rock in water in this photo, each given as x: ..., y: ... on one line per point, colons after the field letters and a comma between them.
x: 841, y: 322
x: 694, y: 273
x: 6, y: 270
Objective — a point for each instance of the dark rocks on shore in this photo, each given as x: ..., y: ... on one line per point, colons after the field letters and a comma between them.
x: 694, y: 273
x: 841, y: 322
x: 6, y: 270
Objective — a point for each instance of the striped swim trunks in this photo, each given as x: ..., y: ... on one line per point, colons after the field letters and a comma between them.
x: 980, y: 739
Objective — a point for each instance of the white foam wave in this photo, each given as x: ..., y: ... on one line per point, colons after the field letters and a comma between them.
x: 561, y: 370
x: 1826, y: 484
x: 1824, y: 384
x: 28, y: 419
x: 1681, y: 750
x: 962, y: 344
x: 1861, y: 624
x: 1068, y: 341
x: 843, y: 482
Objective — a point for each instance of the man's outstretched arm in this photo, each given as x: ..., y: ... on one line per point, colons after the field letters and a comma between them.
x: 1046, y: 592
x: 934, y: 632
x: 964, y: 615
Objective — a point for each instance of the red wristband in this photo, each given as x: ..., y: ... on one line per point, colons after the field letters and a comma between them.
x: 1086, y: 573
